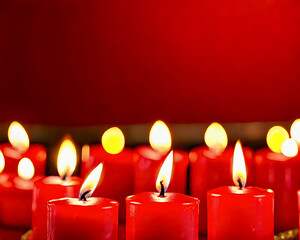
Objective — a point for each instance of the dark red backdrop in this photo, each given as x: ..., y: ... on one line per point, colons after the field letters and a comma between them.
x: 83, y: 62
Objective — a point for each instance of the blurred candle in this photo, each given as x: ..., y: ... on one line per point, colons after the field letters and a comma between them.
x: 54, y: 187
x: 148, y: 161
x: 117, y: 178
x: 211, y: 167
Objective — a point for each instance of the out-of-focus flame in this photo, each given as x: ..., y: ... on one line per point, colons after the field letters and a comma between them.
x: 160, y: 137
x: 18, y: 137
x: 275, y: 137
x: 295, y: 131
x: 239, y: 173
x: 25, y: 169
x: 113, y: 140
x: 289, y: 148
x: 66, y: 160
x: 164, y: 176
x: 85, y: 153
x: 215, y: 137
x: 2, y: 162
x: 91, y: 182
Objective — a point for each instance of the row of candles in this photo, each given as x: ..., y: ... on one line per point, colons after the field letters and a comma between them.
x: 152, y: 213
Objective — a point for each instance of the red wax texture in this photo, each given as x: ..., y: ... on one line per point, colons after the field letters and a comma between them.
x: 117, y: 175
x: 47, y: 189
x: 282, y: 175
x: 94, y: 219
x: 208, y: 171
x: 236, y: 214
x: 173, y: 217
x: 16, y: 200
x: 36, y: 153
x: 147, y: 164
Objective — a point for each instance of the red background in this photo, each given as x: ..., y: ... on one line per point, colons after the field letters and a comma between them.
x: 86, y: 62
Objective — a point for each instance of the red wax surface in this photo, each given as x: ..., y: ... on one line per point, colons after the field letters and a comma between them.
x: 47, y: 189
x: 173, y: 217
x: 117, y: 175
x: 16, y: 200
x: 36, y: 153
x: 94, y: 219
x: 11, y: 233
x: 282, y: 175
x: 208, y: 171
x: 147, y: 164
x: 236, y: 214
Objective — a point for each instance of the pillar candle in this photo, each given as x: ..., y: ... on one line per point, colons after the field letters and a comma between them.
x: 160, y: 215
x: 211, y: 167
x: 86, y: 217
x: 240, y: 212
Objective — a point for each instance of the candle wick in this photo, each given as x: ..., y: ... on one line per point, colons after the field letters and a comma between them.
x: 64, y: 176
x: 162, y: 189
x: 239, y: 180
x: 83, y: 196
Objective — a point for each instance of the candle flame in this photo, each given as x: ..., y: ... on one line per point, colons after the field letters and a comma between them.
x: 275, y: 137
x: 289, y: 148
x: 215, y: 137
x: 85, y: 153
x: 164, y: 176
x: 66, y: 160
x: 239, y: 173
x: 2, y: 162
x: 91, y: 182
x: 295, y: 131
x: 18, y: 137
x: 25, y: 169
x: 113, y: 140
x: 160, y: 137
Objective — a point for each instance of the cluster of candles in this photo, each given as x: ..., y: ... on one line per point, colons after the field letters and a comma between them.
x: 61, y: 207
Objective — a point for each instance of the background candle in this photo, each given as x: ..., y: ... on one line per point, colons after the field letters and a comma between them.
x: 84, y: 218
x: 117, y: 178
x: 148, y: 161
x: 168, y: 216
x: 240, y: 212
x: 54, y: 187
x: 211, y: 167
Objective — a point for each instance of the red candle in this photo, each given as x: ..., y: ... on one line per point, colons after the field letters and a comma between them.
x: 211, y: 167
x: 84, y: 218
x: 117, y: 170
x: 16, y: 196
x: 280, y: 173
x: 148, y: 161
x: 240, y: 212
x: 54, y: 187
x: 19, y: 147
x: 168, y: 216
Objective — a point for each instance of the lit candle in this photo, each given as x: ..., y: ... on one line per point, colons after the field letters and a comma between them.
x: 161, y: 215
x: 84, y: 218
x: 117, y: 170
x: 54, y: 187
x: 16, y: 195
x: 149, y: 160
x: 19, y: 148
x: 211, y: 167
x: 239, y: 212
x: 278, y: 168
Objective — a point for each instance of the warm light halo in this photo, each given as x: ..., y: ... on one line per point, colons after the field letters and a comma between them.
x: 295, y: 131
x: 18, y: 137
x: 85, y: 153
x: 113, y: 140
x: 26, y: 168
x: 66, y: 160
x: 160, y: 137
x: 2, y: 162
x: 215, y: 137
x: 289, y: 148
x: 91, y: 181
x: 275, y: 137
x: 165, y: 173
x: 238, y: 165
